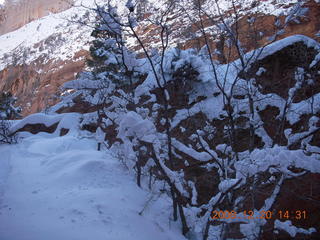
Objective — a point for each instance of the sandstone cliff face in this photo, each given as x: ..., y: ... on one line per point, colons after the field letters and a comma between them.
x: 16, y: 14
x: 36, y: 90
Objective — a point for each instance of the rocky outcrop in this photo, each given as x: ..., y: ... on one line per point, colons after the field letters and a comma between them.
x: 308, y: 25
x: 37, y: 84
x: 16, y: 14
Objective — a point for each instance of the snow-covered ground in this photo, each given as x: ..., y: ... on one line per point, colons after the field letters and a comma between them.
x: 63, y: 188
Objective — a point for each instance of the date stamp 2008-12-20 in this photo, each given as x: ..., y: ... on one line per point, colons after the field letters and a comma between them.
x: 248, y: 215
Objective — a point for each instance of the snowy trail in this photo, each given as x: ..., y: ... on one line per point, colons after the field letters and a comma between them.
x: 62, y: 188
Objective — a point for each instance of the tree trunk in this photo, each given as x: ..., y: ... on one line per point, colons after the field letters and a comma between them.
x: 185, y: 228
x: 138, y: 174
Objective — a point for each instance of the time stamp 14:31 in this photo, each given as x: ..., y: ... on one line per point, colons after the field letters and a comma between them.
x: 280, y: 214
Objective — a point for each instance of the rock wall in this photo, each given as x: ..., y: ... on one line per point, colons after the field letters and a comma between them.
x: 308, y: 25
x: 15, y: 15
x: 37, y: 84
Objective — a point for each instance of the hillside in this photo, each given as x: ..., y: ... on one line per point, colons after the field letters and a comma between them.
x: 38, y: 58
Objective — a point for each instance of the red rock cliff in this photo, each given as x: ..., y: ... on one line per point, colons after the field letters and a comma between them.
x: 15, y: 15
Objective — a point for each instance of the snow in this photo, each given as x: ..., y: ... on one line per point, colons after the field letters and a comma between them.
x: 296, y: 12
x: 261, y: 71
x: 100, y: 135
x: 67, y: 121
x: 225, y: 185
x: 275, y: 9
x: 252, y: 227
x: 62, y: 188
x: 132, y: 124
x: 292, y: 230
x: 23, y: 42
x: 110, y: 19
x: 206, y: 106
x: 278, y: 158
x: 315, y: 61
x: 130, y: 4
x: 4, y: 172
x: 205, y: 72
x: 303, y: 107
x: 25, y: 38
x: 22, y: 45
x: 200, y: 156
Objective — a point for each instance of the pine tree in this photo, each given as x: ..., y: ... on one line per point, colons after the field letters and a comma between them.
x: 7, y: 111
x: 110, y: 59
x: 7, y: 108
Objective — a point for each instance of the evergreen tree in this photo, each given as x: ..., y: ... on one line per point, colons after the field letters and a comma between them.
x: 7, y: 111
x: 110, y: 59
x: 7, y: 108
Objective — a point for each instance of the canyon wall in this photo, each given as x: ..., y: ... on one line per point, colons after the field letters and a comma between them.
x: 16, y: 14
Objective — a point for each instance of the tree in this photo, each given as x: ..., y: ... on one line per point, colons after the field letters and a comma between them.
x: 147, y: 138
x: 157, y: 64
x: 241, y: 96
x: 7, y: 112
x: 109, y: 54
x: 112, y: 53
x: 111, y: 68
x: 7, y: 108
